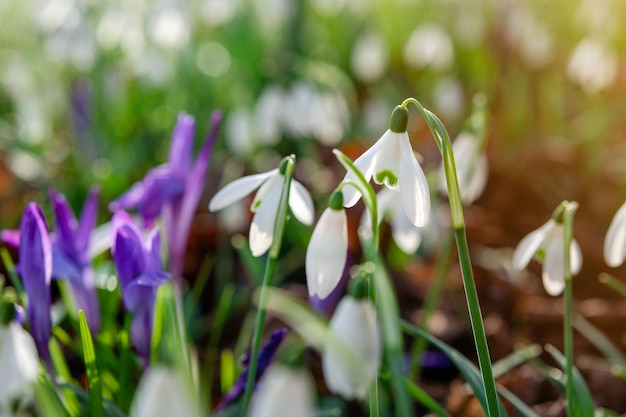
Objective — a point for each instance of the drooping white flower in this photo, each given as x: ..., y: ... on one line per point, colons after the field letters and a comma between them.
x: 352, y: 353
x: 406, y: 235
x: 391, y: 162
x: 164, y: 392
x: 283, y: 392
x: 19, y: 363
x: 593, y: 65
x: 471, y: 168
x: 265, y: 204
x: 429, y: 46
x: 615, y: 240
x: 328, y: 249
x: 547, y: 243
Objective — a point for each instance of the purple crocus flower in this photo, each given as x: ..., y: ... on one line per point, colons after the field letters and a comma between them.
x: 70, y: 253
x: 71, y: 257
x: 174, y: 188
x: 266, y: 357
x: 140, y: 273
x: 35, y: 267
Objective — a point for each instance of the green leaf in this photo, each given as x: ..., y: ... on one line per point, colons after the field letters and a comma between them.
x: 470, y: 372
x: 583, y: 401
x: 93, y: 376
x: 423, y: 398
x: 598, y: 339
x: 48, y: 401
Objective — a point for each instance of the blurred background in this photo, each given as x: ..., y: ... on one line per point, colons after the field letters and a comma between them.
x: 90, y: 92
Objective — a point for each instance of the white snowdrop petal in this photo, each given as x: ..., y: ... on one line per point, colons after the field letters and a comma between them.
x: 262, y: 226
x: 477, y: 181
x: 365, y: 163
x: 327, y: 253
x: 413, y: 187
x: 164, y: 392
x: 406, y: 235
x: 352, y: 354
x: 238, y: 189
x: 615, y: 240
x: 19, y: 362
x: 301, y: 203
x: 387, y: 166
x: 283, y: 392
x: 530, y: 244
x: 575, y: 257
x: 553, y: 274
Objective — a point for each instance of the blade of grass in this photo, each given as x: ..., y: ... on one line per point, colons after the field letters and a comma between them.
x: 467, y: 368
x: 93, y: 375
x: 15, y: 281
x: 582, y: 399
x: 598, y: 339
x: 47, y: 399
x: 423, y: 398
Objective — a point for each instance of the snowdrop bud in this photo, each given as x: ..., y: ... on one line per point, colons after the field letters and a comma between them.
x: 352, y: 352
x: 283, y: 392
x: 163, y: 392
x: 19, y: 363
x: 399, y: 119
x: 328, y: 249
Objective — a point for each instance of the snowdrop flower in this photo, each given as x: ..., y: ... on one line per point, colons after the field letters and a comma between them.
x: 265, y: 204
x: 284, y: 392
x: 406, y: 235
x: 593, y: 65
x: 391, y: 162
x: 615, y: 240
x: 471, y: 168
x: 429, y: 47
x: 370, y: 57
x: 164, y: 392
x: 328, y: 249
x: 352, y: 353
x: 19, y: 364
x: 546, y: 243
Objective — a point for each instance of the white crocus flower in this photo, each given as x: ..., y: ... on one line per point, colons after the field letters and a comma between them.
x: 471, y: 168
x: 283, y: 392
x: 328, y: 249
x: 265, y: 204
x: 615, y: 240
x: 19, y: 364
x: 352, y: 353
x: 406, y: 235
x: 391, y: 162
x: 164, y: 392
x: 547, y: 243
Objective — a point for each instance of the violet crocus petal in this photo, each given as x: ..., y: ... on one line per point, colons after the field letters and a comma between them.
x: 87, y: 222
x: 65, y: 225
x: 10, y: 238
x: 62, y: 265
x: 153, y: 279
x: 178, y: 215
x: 141, y: 332
x: 130, y: 199
x: 128, y: 254
x: 266, y: 357
x: 36, y: 269
x: 160, y: 186
x: 182, y: 144
x: 86, y: 298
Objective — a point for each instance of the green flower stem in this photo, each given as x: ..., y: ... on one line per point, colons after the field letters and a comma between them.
x: 432, y: 299
x: 458, y: 223
x: 386, y: 303
x: 568, y: 235
x: 270, y: 266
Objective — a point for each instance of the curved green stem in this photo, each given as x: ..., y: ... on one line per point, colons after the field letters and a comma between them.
x: 458, y: 223
x: 270, y: 265
x: 568, y: 343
